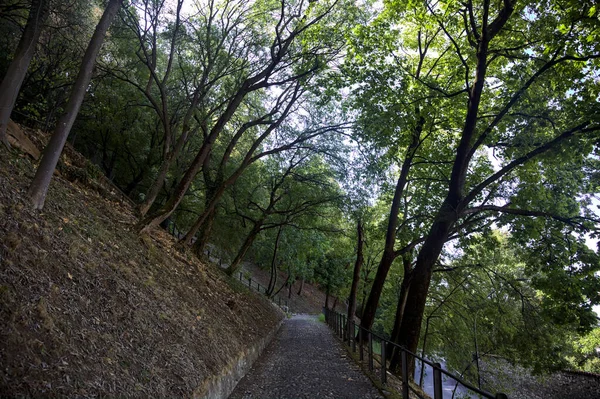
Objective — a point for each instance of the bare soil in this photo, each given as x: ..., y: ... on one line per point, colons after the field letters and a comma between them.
x: 88, y: 308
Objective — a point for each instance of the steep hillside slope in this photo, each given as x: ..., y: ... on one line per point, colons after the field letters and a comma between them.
x: 88, y: 308
x: 311, y: 300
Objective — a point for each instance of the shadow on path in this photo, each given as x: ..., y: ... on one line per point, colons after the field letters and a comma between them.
x: 305, y: 361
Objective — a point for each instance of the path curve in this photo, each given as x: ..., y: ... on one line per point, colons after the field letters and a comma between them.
x: 305, y: 361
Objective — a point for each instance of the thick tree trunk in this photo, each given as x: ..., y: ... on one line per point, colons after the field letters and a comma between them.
x: 11, y: 83
x: 356, y: 275
x: 39, y: 186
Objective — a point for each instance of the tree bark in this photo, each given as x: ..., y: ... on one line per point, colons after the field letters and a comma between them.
x: 244, y: 249
x: 273, y: 279
x: 370, y: 308
x: 253, y: 83
x: 165, y: 165
x: 393, y: 353
x: 202, y: 239
x: 453, y: 204
x: 154, y: 220
x: 12, y: 81
x: 299, y: 293
x: 39, y: 186
x: 356, y: 275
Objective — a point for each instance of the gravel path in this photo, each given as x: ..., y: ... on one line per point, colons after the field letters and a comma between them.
x: 305, y: 361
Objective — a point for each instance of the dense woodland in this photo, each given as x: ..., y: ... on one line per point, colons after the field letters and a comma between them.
x: 435, y: 163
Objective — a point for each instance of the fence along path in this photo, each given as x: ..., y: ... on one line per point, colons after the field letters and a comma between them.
x: 305, y: 361
x: 376, y: 345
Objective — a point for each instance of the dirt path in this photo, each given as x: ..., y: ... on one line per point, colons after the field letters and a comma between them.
x: 305, y: 361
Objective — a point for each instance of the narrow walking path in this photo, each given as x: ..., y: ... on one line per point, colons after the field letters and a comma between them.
x: 305, y: 361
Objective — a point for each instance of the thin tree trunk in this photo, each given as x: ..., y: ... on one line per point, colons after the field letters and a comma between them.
x: 243, y: 250
x: 287, y: 281
x: 356, y: 275
x: 327, y: 298
x: 423, y: 352
x: 273, y: 279
x: 12, y: 81
x: 39, y: 186
x: 165, y: 165
x: 368, y: 316
x: 299, y: 293
x: 393, y: 353
x: 205, y: 231
x: 155, y: 187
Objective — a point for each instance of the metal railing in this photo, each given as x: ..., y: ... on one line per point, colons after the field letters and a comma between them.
x: 356, y: 336
x: 276, y: 299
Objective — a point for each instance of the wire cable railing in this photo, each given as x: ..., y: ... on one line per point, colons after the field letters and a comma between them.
x: 357, y: 337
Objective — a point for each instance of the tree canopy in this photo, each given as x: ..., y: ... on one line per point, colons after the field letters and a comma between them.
x: 452, y: 146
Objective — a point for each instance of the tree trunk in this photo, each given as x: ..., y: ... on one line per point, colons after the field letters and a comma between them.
x: 154, y: 220
x: 327, y: 298
x: 11, y: 83
x: 356, y: 276
x: 393, y: 353
x: 299, y: 293
x: 205, y: 231
x: 154, y: 189
x: 39, y: 186
x: 165, y: 165
x: 455, y: 202
x: 243, y: 250
x: 273, y: 279
x: 368, y: 316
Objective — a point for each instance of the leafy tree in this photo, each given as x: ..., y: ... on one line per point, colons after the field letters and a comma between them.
x: 39, y: 185
x: 11, y: 83
x: 497, y: 94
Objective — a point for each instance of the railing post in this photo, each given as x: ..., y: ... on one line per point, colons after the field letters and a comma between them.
x: 404, y: 359
x: 437, y: 381
x: 370, y: 351
x: 279, y: 299
x: 240, y: 276
x: 360, y: 342
x: 383, y: 363
x: 249, y: 282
